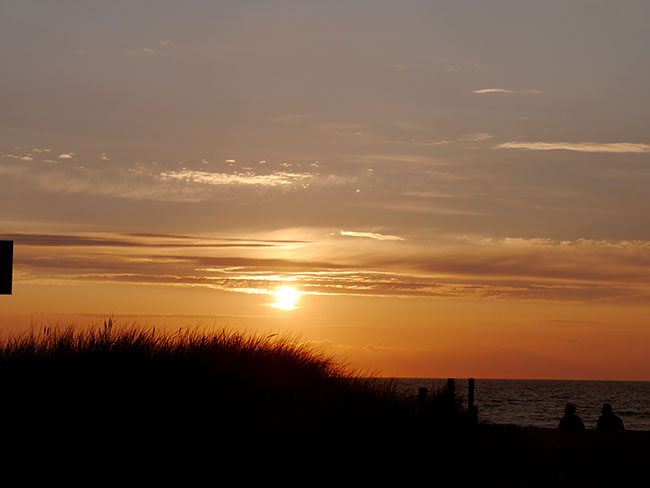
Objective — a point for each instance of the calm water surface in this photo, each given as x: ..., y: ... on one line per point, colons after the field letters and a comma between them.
x: 540, y: 403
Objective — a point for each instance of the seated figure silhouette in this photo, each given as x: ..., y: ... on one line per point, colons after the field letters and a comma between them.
x: 570, y: 419
x: 609, y: 421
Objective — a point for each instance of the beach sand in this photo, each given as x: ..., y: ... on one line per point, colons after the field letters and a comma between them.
x: 508, y: 455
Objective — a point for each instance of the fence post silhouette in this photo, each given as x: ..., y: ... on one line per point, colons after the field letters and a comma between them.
x: 451, y: 386
x: 472, y: 411
x: 451, y: 396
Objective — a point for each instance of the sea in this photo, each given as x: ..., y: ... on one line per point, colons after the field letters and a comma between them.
x: 540, y: 403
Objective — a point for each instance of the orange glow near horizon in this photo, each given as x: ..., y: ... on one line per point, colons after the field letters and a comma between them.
x: 451, y: 206
x: 557, y: 320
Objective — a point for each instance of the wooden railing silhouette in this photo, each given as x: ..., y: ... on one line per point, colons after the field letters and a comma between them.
x: 449, y: 396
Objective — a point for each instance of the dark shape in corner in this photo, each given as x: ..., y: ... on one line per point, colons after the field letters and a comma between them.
x: 570, y: 419
x: 6, y: 266
x: 609, y: 421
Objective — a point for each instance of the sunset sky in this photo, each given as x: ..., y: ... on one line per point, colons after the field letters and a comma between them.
x: 450, y: 188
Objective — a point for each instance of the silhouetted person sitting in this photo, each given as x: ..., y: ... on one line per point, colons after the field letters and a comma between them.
x: 570, y: 419
x: 609, y: 421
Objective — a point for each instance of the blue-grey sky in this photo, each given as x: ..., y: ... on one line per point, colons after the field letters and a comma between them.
x: 457, y: 150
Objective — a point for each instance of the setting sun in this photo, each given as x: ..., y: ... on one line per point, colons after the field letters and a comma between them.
x: 452, y: 207
x: 286, y: 298
x: 299, y: 220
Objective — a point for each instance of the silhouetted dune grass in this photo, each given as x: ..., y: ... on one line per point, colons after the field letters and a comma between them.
x: 220, y: 404
x: 130, y: 395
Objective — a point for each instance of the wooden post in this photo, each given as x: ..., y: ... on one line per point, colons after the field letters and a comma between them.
x: 470, y: 394
x: 422, y: 398
x: 6, y: 266
x: 449, y: 408
x: 472, y: 411
x: 451, y: 394
x: 450, y: 388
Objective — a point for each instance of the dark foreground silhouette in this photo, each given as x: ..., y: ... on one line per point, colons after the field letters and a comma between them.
x: 508, y: 455
x: 609, y: 421
x: 222, y: 407
x: 105, y: 400
x: 570, y: 419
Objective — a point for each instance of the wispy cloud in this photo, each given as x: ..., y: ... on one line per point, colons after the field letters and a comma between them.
x: 530, y: 91
x: 492, y: 90
x: 68, y: 155
x: 132, y: 241
x: 342, y: 128
x: 372, y: 235
x: 148, y: 235
x: 146, y: 182
x: 547, y: 260
x: 455, y: 68
x: 273, y: 179
x: 476, y: 137
x: 590, y: 147
x: 424, y: 208
x: 414, y: 159
x: 22, y: 157
x: 133, y: 50
x: 460, y: 267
